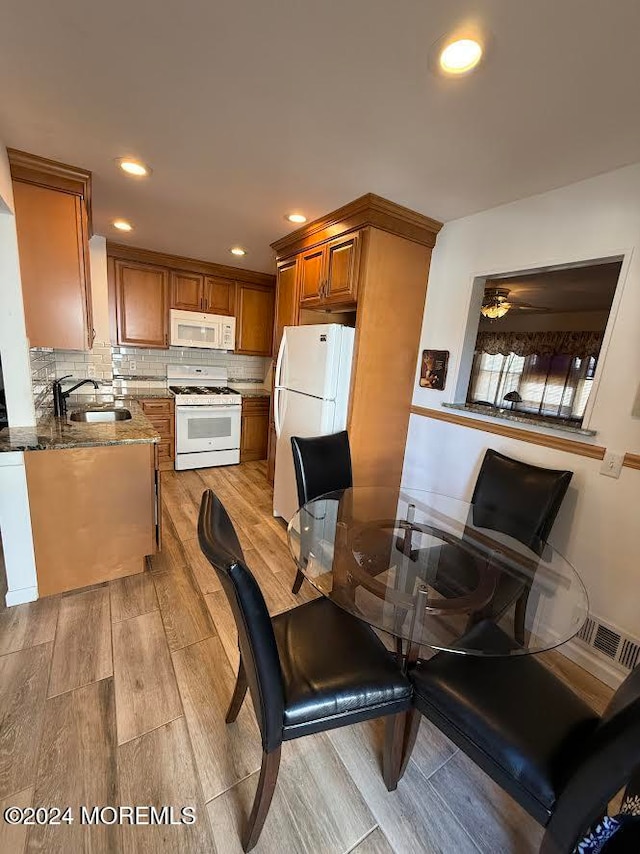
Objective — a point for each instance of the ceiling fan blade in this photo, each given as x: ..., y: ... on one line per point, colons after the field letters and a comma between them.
x: 523, y: 306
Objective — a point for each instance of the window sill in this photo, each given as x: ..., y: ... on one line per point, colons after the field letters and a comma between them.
x: 508, y: 415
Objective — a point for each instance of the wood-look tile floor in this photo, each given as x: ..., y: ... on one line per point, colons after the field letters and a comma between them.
x: 115, y: 695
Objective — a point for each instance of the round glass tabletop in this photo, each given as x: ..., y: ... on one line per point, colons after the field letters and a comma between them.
x: 435, y: 571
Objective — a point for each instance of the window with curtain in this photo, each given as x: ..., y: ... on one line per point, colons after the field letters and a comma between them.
x: 538, y: 338
x: 549, y: 386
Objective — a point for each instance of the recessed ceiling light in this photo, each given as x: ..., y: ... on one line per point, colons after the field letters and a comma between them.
x: 134, y: 167
x: 296, y: 217
x: 238, y: 250
x: 461, y: 56
x: 122, y: 225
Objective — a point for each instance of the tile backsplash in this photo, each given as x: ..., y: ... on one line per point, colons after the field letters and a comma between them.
x: 119, y: 369
x: 134, y: 361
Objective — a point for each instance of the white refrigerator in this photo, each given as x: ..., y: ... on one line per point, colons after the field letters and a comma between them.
x: 313, y: 376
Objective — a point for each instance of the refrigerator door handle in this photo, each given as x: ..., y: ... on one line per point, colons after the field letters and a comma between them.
x: 278, y: 371
x: 276, y: 412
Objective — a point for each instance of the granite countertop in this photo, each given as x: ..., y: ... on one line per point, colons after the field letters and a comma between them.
x: 520, y: 417
x: 143, y: 394
x: 253, y: 392
x: 51, y: 433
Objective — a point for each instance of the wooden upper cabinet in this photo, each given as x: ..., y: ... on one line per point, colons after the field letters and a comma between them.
x: 342, y: 264
x: 312, y: 266
x: 254, y: 319
x: 287, y: 302
x: 142, y: 304
x: 187, y: 291
x: 219, y: 296
x: 53, y: 244
x: 144, y: 285
x: 329, y: 272
x: 196, y: 292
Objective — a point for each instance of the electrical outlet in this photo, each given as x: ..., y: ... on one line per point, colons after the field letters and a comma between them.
x: 132, y: 366
x: 612, y: 464
x: 92, y: 371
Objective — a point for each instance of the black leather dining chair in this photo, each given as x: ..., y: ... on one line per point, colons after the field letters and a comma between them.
x: 308, y: 670
x: 322, y: 464
x: 513, y: 498
x: 531, y: 734
x: 518, y: 499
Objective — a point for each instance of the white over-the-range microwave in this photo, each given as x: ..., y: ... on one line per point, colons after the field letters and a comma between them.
x: 197, y: 329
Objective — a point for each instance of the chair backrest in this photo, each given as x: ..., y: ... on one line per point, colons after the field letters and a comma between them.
x: 322, y: 464
x: 611, y: 758
x: 256, y: 639
x: 518, y: 499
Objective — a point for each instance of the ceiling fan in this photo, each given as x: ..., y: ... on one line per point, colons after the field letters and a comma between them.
x: 496, y: 303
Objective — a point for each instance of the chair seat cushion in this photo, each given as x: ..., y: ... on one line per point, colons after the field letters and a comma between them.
x: 510, y: 714
x: 335, y: 670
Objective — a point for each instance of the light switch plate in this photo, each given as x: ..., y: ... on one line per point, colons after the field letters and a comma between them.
x: 611, y: 464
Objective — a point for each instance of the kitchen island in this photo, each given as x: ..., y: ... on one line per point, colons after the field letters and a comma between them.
x: 93, y: 492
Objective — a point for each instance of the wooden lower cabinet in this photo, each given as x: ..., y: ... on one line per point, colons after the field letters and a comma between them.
x: 93, y: 513
x: 255, y: 429
x: 161, y: 413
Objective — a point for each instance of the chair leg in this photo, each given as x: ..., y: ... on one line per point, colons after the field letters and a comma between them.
x: 392, y: 755
x: 410, y: 736
x: 297, y: 584
x: 238, y: 696
x: 262, y: 800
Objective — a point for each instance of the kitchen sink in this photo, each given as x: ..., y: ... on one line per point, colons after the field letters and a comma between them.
x: 100, y: 416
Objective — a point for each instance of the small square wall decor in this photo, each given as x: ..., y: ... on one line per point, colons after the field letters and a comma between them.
x: 433, y: 370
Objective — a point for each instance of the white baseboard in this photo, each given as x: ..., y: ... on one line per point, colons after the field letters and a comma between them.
x: 585, y: 656
x: 19, y: 597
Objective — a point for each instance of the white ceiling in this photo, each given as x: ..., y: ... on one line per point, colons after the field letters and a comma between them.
x: 248, y: 109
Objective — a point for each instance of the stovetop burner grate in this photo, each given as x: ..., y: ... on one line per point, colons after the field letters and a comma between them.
x: 201, y: 389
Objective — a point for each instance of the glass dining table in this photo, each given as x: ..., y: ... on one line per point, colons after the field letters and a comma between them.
x: 426, y: 568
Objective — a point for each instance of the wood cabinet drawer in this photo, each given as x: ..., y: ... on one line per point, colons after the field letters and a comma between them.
x: 164, y: 424
x: 255, y: 404
x: 151, y: 405
x: 166, y: 450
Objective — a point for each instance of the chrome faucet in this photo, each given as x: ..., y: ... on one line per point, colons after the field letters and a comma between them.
x: 60, y: 397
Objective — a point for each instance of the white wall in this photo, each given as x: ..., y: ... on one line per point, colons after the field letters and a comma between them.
x: 598, y: 523
x: 99, y: 287
x: 14, y: 347
x: 15, y: 520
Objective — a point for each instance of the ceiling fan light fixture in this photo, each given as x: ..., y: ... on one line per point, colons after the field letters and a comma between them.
x: 495, y: 303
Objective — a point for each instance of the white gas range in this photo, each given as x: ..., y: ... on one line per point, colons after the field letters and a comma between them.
x: 208, y: 417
